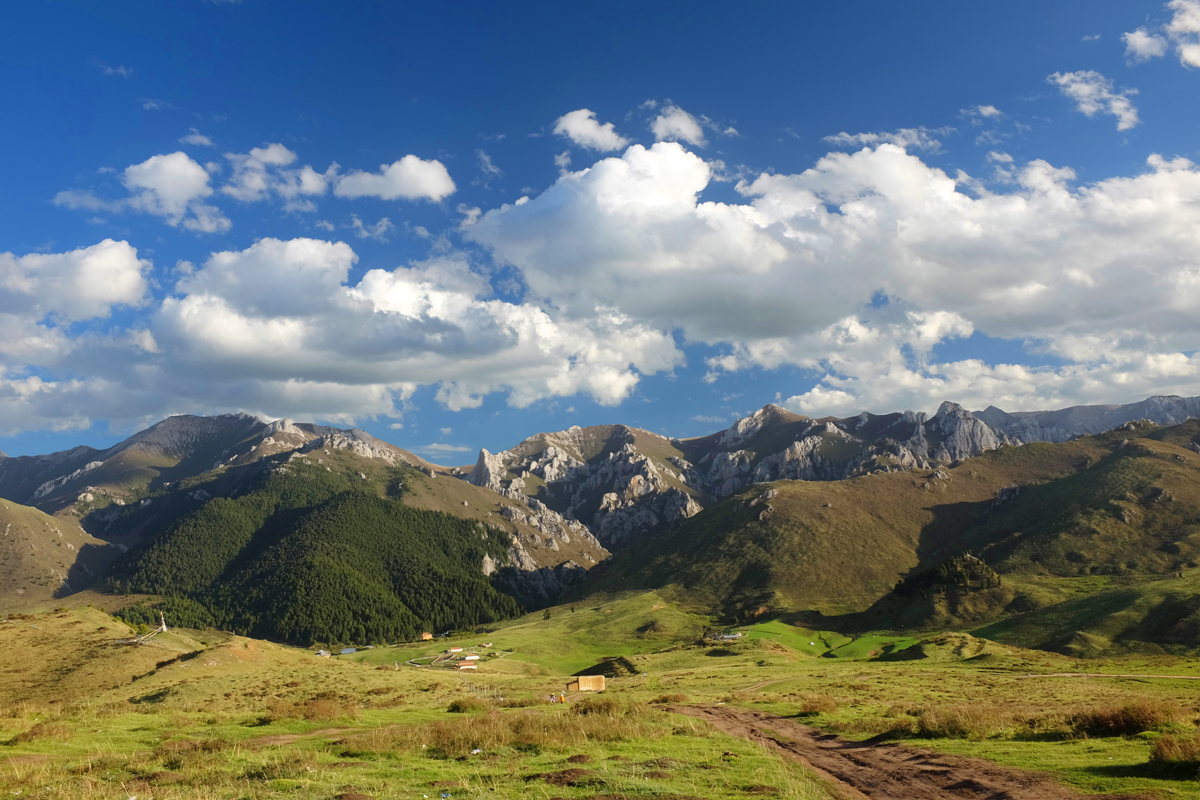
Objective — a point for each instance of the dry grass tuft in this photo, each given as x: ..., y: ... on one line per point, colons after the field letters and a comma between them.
x: 818, y: 704
x: 464, y: 705
x: 670, y: 698
x: 44, y: 731
x: 1176, y: 751
x: 1144, y: 714
x: 530, y: 732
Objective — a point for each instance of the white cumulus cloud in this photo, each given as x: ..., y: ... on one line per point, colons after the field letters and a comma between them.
x: 261, y: 173
x: 195, y: 137
x: 171, y: 186
x: 582, y: 128
x: 1093, y: 94
x: 674, y: 124
x: 909, y: 138
x: 1103, y: 276
x: 1141, y: 45
x: 410, y: 178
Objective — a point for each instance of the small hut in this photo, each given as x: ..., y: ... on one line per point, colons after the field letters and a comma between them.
x: 426, y: 636
x: 586, y: 683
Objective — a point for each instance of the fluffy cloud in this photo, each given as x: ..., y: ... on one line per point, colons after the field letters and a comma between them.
x: 196, y: 138
x: 428, y: 324
x: 40, y: 296
x: 74, y: 286
x: 410, y: 178
x: 261, y: 173
x: 1093, y: 93
x: 170, y: 186
x: 1183, y: 30
x: 582, y: 128
x: 380, y: 231
x: 279, y: 328
x: 910, y: 138
x: 858, y: 270
x: 1100, y: 276
x: 1141, y: 45
x: 674, y: 124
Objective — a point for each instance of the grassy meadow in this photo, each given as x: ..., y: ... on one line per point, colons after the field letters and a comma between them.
x: 203, y: 714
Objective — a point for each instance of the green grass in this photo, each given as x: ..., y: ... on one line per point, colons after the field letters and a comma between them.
x: 257, y: 720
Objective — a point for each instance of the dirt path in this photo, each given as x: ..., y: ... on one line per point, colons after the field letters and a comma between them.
x: 885, y: 771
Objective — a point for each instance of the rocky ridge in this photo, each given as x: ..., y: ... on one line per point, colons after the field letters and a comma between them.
x: 622, y: 482
x: 1068, y: 423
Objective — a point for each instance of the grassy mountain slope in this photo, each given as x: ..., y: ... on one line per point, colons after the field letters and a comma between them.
x: 1120, y: 505
x: 44, y: 557
x: 833, y: 546
x: 314, y: 553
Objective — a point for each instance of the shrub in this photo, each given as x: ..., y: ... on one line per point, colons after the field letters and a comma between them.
x: 519, y: 702
x: 1176, y: 750
x: 606, y: 706
x: 464, y: 705
x: 55, y: 731
x: 670, y: 698
x: 1145, y: 714
x: 818, y: 704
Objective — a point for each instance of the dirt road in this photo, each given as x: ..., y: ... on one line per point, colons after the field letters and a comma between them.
x: 884, y: 771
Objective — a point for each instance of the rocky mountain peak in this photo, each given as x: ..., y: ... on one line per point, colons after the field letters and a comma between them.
x: 948, y: 409
x: 747, y: 427
x: 178, y: 436
x: 283, y: 426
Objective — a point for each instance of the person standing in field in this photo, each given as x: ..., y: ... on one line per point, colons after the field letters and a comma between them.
x: 562, y: 698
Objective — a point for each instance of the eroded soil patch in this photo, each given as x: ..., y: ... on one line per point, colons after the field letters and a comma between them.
x: 886, y: 771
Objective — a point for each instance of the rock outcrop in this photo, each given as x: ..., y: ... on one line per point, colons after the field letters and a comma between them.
x: 624, y: 482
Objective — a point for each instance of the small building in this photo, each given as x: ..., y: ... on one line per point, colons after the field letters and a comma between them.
x: 323, y: 653
x: 426, y: 636
x: 348, y: 650
x: 467, y: 665
x: 586, y: 683
x: 486, y: 644
x: 470, y: 658
x: 454, y: 650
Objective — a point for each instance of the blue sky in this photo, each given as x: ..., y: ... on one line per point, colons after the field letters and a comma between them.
x: 454, y: 228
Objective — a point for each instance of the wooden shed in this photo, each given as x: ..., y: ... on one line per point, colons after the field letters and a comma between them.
x: 426, y: 636
x: 586, y: 683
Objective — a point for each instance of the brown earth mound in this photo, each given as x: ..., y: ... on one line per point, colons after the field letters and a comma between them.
x: 580, y: 759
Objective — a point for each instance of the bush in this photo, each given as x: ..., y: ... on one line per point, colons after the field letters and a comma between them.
x: 1146, y: 714
x: 818, y: 704
x: 1176, y: 750
x: 519, y: 702
x: 325, y: 706
x: 465, y: 705
x: 606, y: 706
x: 959, y: 722
x: 670, y: 698
x: 55, y: 731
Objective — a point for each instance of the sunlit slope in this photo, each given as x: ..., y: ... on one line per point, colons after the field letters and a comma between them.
x: 44, y: 557
x: 1114, y: 504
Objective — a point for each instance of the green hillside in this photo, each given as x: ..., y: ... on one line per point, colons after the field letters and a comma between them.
x: 313, y: 554
x: 44, y: 557
x: 1053, y: 523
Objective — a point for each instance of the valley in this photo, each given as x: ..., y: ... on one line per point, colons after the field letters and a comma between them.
x: 893, y: 580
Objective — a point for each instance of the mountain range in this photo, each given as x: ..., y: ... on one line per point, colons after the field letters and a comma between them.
x: 259, y: 523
